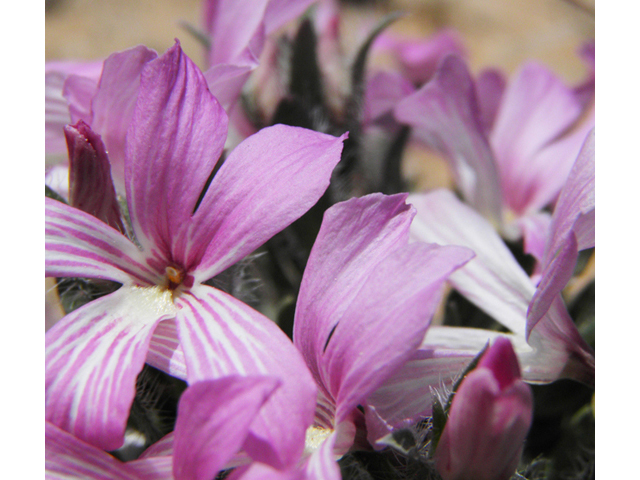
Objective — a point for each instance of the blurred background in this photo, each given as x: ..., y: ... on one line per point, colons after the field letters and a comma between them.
x: 501, y: 33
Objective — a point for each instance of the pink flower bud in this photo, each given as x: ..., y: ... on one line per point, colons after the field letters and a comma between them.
x: 488, y: 421
x: 90, y: 185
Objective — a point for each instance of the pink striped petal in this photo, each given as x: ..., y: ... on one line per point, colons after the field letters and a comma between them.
x: 223, y: 336
x: 493, y: 280
x: 93, y: 356
x: 69, y: 457
x: 536, y: 108
x: 322, y: 465
x: 114, y: 101
x: 155, y: 468
x: 214, y: 417
x: 445, y: 114
x: 165, y: 351
x: 175, y: 139
x: 271, y: 179
x: 79, y: 245
x: 162, y: 448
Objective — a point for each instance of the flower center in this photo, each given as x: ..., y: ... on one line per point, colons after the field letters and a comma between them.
x: 175, y: 275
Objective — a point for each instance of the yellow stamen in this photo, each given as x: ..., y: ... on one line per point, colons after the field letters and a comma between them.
x: 174, y: 275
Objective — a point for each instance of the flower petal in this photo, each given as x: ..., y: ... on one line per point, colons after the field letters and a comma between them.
x: 384, y: 91
x: 223, y: 336
x: 225, y: 82
x: 69, y: 457
x: 535, y: 231
x: 572, y: 229
x: 347, y: 306
x: 114, y: 101
x: 90, y: 185
x: 445, y: 114
x: 56, y: 114
x: 165, y: 351
x: 493, y: 280
x: 354, y: 237
x: 174, y: 141
x: 322, y: 465
x: 93, y: 356
x: 79, y: 245
x: 536, y: 108
x: 213, y: 421
x: 490, y: 87
x: 271, y: 179
x: 233, y: 26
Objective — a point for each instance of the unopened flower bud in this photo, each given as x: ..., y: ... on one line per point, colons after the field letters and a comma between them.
x: 488, y: 421
x: 90, y: 185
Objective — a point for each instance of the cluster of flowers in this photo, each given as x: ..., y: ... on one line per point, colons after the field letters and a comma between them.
x: 151, y: 209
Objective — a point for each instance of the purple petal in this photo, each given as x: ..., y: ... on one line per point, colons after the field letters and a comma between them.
x: 226, y: 81
x: 490, y: 87
x: 536, y: 108
x: 407, y: 395
x: 493, y: 280
x: 367, y: 345
x: 560, y: 351
x: 384, y: 91
x: 93, y: 356
x: 572, y: 229
x: 420, y: 58
x: 113, y: 104
x: 63, y: 100
x: 322, y: 465
x: 79, y: 245
x: 445, y: 114
x: 222, y: 336
x: 79, y: 92
x: 56, y: 113
x: 350, y: 339
x: 271, y: 179
x: 69, y: 457
x: 535, y: 230
x: 355, y: 235
x: 156, y: 468
x: 90, y: 185
x: 174, y: 141
x: 214, y: 417
x: 233, y: 27
x: 162, y: 448
x: 548, y: 169
x: 280, y: 12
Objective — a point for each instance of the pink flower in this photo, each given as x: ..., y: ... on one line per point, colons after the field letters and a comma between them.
x: 510, y: 147
x: 162, y: 313
x: 488, y: 421
x: 213, y: 422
